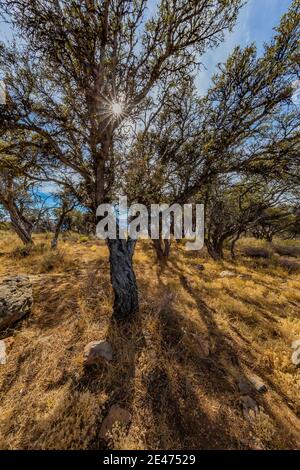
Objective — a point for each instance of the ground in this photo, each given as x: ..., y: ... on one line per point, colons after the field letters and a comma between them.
x: 177, y: 367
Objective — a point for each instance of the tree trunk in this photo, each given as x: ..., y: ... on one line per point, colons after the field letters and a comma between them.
x: 58, y: 227
x: 162, y: 249
x: 20, y: 225
x: 232, y: 245
x: 215, y: 250
x: 123, y: 279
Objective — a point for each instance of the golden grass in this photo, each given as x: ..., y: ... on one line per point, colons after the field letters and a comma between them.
x: 175, y: 367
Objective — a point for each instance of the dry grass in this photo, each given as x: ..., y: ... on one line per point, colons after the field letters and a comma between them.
x: 176, y: 365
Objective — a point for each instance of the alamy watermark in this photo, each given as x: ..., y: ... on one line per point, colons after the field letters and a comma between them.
x: 158, y: 221
x: 2, y: 92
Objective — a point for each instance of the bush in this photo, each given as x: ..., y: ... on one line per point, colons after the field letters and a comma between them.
x: 287, y: 250
x: 292, y: 267
x: 52, y: 260
x: 257, y: 252
x: 24, y: 251
x: 21, y: 251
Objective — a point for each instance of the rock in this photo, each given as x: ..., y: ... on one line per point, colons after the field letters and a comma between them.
x: 15, y: 299
x: 96, y: 351
x: 251, y: 384
x: 249, y: 406
x: 296, y: 354
x: 257, y: 383
x: 2, y: 353
x: 227, y: 274
x: 117, y: 416
x: 200, y: 267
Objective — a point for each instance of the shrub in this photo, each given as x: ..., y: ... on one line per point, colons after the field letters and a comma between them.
x: 287, y: 250
x: 21, y: 251
x: 24, y: 251
x: 257, y: 252
x: 52, y: 260
x: 292, y: 267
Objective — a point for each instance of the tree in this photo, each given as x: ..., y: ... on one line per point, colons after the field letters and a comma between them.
x: 275, y: 221
x: 246, y: 125
x: 234, y: 208
x: 67, y: 205
x: 16, y: 197
x: 88, y: 68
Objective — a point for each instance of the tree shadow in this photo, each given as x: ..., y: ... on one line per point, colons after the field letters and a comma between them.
x: 115, y: 379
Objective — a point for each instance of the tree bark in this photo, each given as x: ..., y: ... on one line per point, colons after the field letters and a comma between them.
x: 126, y: 303
x: 215, y: 250
x: 162, y: 249
x: 58, y: 227
x: 233, y: 244
x: 20, y: 225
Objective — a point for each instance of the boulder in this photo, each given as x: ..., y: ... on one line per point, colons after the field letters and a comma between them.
x: 15, y: 299
x: 96, y: 351
x: 257, y: 383
x: 296, y: 354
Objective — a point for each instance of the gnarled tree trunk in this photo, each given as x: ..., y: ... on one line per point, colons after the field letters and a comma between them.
x: 162, y: 248
x: 215, y: 249
x: 123, y: 280
x: 22, y: 227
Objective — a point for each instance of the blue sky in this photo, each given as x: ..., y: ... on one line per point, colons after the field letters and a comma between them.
x: 255, y: 24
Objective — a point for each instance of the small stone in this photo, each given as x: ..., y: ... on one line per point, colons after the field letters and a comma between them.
x: 117, y: 416
x: 96, y: 351
x: 257, y: 383
x: 227, y: 274
x: 200, y: 267
x: 296, y: 354
x: 2, y: 352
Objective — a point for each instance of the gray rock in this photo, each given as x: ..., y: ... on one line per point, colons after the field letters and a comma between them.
x: 2, y: 353
x: 296, y: 354
x: 227, y: 274
x: 117, y: 416
x: 96, y: 351
x: 257, y: 383
x: 15, y: 299
x: 251, y: 384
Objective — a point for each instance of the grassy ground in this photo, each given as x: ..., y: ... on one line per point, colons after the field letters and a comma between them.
x: 176, y: 367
